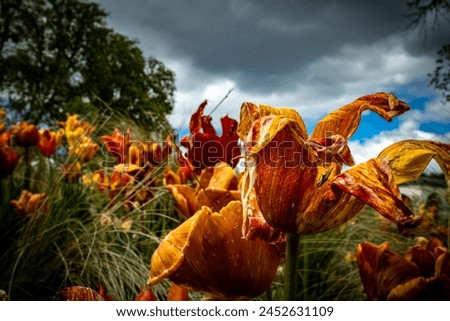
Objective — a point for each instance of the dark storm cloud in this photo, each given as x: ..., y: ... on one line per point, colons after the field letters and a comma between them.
x: 267, y: 44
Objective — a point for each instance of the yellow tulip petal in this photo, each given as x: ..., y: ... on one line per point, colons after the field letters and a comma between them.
x: 409, y: 158
x: 208, y: 254
x: 345, y: 120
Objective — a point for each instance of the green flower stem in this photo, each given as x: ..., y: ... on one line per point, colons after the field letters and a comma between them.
x: 290, y: 267
x: 27, y: 174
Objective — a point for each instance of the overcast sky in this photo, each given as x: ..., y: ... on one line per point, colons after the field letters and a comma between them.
x: 314, y: 56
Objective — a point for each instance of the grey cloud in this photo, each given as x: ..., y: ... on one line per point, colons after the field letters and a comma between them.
x: 267, y: 45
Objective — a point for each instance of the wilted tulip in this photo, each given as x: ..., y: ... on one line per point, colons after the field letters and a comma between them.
x: 297, y: 179
x: 8, y: 160
x: 82, y: 293
x: 422, y: 274
x: 29, y: 204
x: 176, y: 293
x: 25, y: 134
x: 207, y: 253
x: 205, y: 147
x: 217, y: 186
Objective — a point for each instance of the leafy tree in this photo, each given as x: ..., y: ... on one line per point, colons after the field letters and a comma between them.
x: 435, y: 10
x: 59, y: 56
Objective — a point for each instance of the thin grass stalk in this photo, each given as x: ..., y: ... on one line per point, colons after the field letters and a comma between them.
x: 290, y: 267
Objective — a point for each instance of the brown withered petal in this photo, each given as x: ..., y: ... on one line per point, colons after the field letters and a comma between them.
x: 216, y: 198
x: 367, y: 260
x: 330, y: 149
x: 345, y: 120
x: 409, y: 158
x: 443, y: 264
x: 280, y: 174
x: 393, y: 269
x: 185, y: 198
x: 254, y: 224
x: 422, y: 258
x: 381, y: 269
x: 432, y: 289
x: 80, y: 293
x: 251, y: 112
x: 221, y: 176
x: 177, y: 293
x: 372, y: 183
x: 207, y: 253
x: 146, y: 295
x: 434, y: 245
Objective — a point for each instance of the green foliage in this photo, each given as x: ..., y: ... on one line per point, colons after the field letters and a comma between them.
x: 59, y: 56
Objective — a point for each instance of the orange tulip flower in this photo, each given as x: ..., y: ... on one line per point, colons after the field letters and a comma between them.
x: 207, y: 253
x: 117, y: 145
x: 217, y: 187
x: 25, y: 134
x: 8, y: 160
x: 29, y: 204
x: 422, y: 274
x: 176, y: 293
x: 297, y: 179
x: 47, y: 142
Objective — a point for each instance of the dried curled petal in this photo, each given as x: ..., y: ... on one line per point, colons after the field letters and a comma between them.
x: 80, y: 293
x: 409, y: 158
x: 208, y: 254
x: 372, y: 183
x: 251, y: 112
x: 205, y: 147
x: 345, y: 120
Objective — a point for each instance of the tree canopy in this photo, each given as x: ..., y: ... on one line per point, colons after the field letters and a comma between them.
x: 423, y: 10
x: 59, y: 56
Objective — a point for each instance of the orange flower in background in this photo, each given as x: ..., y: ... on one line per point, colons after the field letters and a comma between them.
x: 204, y: 147
x: 422, y: 274
x: 176, y: 293
x: 82, y: 293
x: 297, y: 179
x: 207, y: 253
x: 48, y: 142
x: 5, y: 139
x: 217, y: 186
x: 117, y: 145
x: 25, y: 134
x: 29, y: 204
x: 84, y: 151
x: 2, y: 116
x: 8, y: 160
x: 72, y: 172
